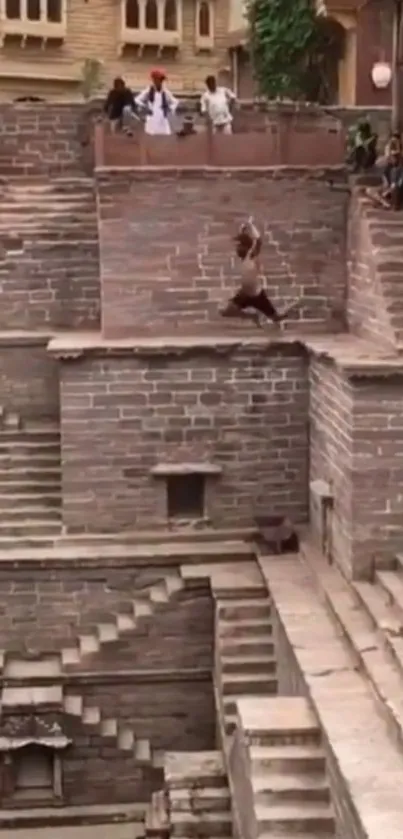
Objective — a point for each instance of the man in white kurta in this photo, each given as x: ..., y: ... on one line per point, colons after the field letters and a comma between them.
x: 159, y: 104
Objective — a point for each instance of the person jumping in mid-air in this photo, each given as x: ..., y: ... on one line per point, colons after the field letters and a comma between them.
x: 252, y: 295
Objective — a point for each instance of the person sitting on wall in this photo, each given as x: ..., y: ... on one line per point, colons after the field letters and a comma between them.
x: 158, y: 103
x: 252, y: 300
x: 364, y: 147
x: 120, y: 107
x: 217, y: 104
x: 390, y: 194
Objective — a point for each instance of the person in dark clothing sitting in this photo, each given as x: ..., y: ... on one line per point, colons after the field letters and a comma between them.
x: 390, y: 194
x: 364, y: 151
x: 120, y: 106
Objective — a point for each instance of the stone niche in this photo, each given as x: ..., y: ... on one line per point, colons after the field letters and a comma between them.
x: 31, y: 748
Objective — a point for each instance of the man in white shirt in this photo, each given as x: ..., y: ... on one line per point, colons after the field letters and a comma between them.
x: 158, y: 103
x: 216, y: 103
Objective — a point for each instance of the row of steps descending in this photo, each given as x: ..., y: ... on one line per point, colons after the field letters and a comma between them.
x: 198, y: 795
x: 370, y: 618
x: 50, y: 251
x: 30, y: 479
x: 109, y: 728
x: 289, y: 788
x: 245, y: 663
x: 73, y: 656
x: 37, y: 698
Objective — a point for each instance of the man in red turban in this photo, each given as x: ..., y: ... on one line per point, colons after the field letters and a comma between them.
x: 158, y: 103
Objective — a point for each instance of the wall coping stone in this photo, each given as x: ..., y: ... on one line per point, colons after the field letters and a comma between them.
x: 106, y: 677
x: 319, y: 173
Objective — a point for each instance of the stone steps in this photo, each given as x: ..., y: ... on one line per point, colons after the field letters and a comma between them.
x: 30, y: 480
x: 198, y: 795
x: 289, y: 788
x: 108, y: 727
x: 361, y: 614
x: 107, y: 631
x: 244, y: 658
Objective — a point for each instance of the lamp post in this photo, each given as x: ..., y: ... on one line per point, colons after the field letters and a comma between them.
x: 396, y: 67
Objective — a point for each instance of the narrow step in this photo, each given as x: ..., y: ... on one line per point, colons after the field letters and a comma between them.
x: 233, y: 610
x: 237, y: 684
x: 189, y: 824
x: 158, y: 593
x: 70, y: 655
x: 73, y: 705
x: 125, y: 623
x: 275, y: 788
x: 296, y: 817
x: 107, y: 632
x: 234, y: 647
x: 91, y: 715
x: 242, y: 628
x: 287, y: 759
x: 142, y: 751
x: 247, y: 664
x: 109, y: 727
x: 88, y: 644
x: 126, y: 740
x: 142, y: 608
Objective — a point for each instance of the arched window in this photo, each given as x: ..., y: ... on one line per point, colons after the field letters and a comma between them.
x: 132, y: 14
x: 151, y: 15
x: 170, y: 16
x: 204, y: 20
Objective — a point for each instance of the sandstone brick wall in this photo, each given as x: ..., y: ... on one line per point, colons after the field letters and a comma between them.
x: 244, y: 410
x: 44, y: 611
x: 38, y: 139
x: 331, y: 449
x: 367, y: 305
x: 377, y: 473
x: 167, y: 251
x: 49, y: 255
x: 95, y: 772
x: 356, y: 440
x: 29, y: 378
x: 173, y: 715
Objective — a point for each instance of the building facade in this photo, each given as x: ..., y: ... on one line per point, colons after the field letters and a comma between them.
x: 46, y: 44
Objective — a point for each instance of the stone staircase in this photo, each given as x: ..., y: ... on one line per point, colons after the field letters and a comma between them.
x: 245, y: 663
x: 156, y: 822
x: 109, y: 728
x: 370, y: 618
x: 286, y: 769
x: 197, y: 794
x: 50, y: 258
x: 376, y: 272
x: 113, y: 627
x: 119, y: 735
x: 30, y: 480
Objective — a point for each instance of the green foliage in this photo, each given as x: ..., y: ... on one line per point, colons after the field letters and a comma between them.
x: 91, y: 77
x: 289, y: 46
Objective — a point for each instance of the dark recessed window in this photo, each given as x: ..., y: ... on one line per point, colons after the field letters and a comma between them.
x: 185, y: 496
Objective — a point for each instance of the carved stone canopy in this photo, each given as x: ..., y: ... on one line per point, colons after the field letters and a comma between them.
x: 19, y: 730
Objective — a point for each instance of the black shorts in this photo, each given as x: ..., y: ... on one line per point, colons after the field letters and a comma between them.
x: 259, y: 301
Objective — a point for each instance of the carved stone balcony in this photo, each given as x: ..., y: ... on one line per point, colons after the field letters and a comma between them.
x: 151, y: 23
x: 44, y: 20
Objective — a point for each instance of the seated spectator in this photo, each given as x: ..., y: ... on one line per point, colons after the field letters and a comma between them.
x: 390, y: 194
x: 120, y: 107
x: 363, y: 153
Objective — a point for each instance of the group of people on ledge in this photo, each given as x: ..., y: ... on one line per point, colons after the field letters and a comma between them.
x: 158, y: 106
x: 364, y: 157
